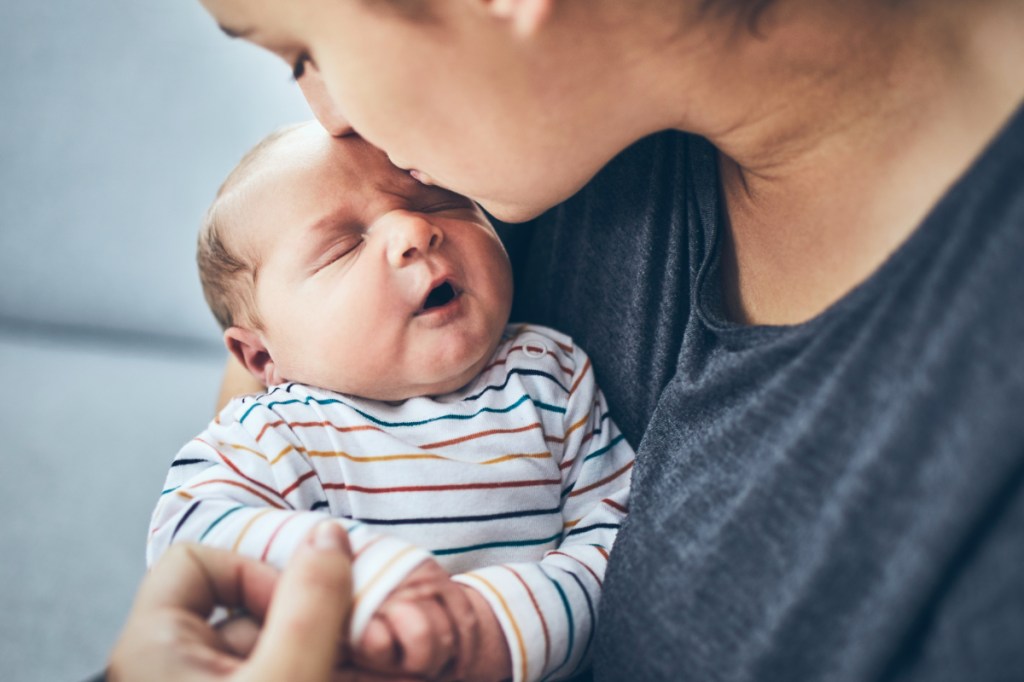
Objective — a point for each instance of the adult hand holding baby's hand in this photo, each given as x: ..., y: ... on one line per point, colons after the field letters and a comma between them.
x: 435, y: 628
x: 168, y: 637
x: 429, y: 628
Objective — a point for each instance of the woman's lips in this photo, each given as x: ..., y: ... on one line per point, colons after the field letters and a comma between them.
x: 421, y: 177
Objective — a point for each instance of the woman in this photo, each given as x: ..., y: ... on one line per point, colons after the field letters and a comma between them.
x: 804, y: 308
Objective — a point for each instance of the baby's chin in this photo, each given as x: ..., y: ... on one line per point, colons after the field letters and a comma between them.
x: 431, y: 389
x: 399, y: 392
x: 430, y: 375
x: 425, y: 387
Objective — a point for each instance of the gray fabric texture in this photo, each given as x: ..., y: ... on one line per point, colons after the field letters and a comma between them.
x: 89, y: 427
x: 837, y: 500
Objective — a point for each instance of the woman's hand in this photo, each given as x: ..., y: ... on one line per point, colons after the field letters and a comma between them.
x: 168, y: 636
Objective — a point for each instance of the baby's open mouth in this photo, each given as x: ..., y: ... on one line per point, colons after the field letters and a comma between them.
x: 439, y: 296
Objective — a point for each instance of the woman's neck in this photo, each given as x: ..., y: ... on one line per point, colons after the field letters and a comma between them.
x: 840, y: 126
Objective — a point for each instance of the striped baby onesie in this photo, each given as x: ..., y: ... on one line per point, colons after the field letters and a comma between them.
x: 516, y: 484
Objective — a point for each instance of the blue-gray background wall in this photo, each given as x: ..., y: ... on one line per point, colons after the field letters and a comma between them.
x: 118, y: 120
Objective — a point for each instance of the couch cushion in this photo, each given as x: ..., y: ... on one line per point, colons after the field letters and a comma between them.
x: 88, y: 432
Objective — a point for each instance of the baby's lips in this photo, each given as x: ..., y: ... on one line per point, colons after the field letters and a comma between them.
x: 440, y: 296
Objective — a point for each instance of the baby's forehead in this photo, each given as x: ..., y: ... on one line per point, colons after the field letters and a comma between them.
x: 312, y: 143
x: 302, y: 171
x: 350, y: 163
x: 295, y: 172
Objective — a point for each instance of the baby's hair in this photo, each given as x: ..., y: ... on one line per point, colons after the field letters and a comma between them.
x: 227, y: 275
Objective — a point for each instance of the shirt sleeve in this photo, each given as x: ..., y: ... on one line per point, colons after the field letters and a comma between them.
x: 257, y: 493
x: 548, y: 609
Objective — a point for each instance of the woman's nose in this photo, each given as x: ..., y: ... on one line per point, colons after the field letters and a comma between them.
x: 324, y: 108
x: 410, y: 237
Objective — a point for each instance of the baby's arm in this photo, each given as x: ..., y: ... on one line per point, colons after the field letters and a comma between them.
x: 534, y: 620
x: 250, y: 488
x: 435, y: 628
x: 548, y: 609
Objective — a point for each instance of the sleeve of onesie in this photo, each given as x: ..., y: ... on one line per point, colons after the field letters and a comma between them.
x: 250, y: 488
x: 548, y: 609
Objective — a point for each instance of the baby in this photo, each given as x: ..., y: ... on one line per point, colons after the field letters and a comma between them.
x: 402, y: 406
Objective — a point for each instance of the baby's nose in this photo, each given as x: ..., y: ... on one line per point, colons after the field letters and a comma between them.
x: 411, y: 236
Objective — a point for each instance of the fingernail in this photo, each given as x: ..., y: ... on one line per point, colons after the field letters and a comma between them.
x: 329, y: 536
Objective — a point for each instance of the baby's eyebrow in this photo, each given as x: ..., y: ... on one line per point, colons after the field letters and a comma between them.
x: 328, y: 222
x: 410, y: 190
x: 400, y: 187
x: 323, y: 231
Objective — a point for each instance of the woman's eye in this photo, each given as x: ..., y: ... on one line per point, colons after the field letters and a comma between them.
x: 299, y: 67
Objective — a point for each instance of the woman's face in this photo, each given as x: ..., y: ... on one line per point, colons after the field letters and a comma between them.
x: 456, y: 97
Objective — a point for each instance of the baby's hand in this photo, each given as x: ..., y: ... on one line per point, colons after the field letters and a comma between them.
x: 437, y: 629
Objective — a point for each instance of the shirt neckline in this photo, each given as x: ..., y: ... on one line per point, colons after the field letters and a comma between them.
x: 708, y: 299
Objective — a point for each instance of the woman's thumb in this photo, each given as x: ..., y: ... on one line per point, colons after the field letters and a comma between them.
x: 301, y: 633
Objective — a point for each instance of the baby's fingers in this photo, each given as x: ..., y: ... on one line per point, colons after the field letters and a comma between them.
x: 379, y: 648
x: 466, y: 627
x: 408, y: 637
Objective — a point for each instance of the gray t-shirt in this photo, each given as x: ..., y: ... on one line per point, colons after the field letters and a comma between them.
x: 841, y: 499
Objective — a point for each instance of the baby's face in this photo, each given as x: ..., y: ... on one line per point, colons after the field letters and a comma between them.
x: 368, y: 282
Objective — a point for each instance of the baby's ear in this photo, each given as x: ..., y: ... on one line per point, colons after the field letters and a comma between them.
x: 249, y: 349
